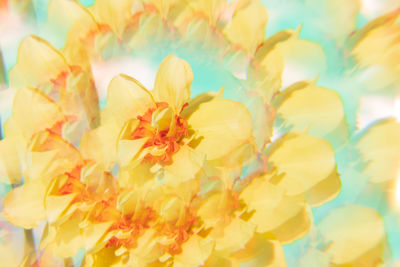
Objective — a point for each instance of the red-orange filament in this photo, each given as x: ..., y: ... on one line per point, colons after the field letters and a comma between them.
x: 164, y: 140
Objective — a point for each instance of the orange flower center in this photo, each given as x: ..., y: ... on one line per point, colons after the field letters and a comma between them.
x: 166, y: 141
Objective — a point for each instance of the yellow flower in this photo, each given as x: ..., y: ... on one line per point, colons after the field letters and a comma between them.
x: 165, y: 126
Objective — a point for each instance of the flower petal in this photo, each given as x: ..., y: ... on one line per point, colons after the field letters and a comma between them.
x: 173, y: 80
x: 262, y: 250
x: 356, y: 235
x: 306, y: 106
x: 303, y: 160
x: 186, y: 165
x: 379, y: 146
x: 273, y: 211
x: 194, y: 252
x: 24, y: 205
x: 126, y: 99
x: 47, y: 61
x: 32, y: 112
x: 115, y: 14
x: 247, y: 28
x: 221, y: 126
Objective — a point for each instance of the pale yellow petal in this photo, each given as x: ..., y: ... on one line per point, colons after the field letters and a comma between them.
x: 50, y: 155
x: 173, y: 80
x: 247, y: 28
x: 303, y: 160
x: 126, y: 99
x: 379, y: 147
x: 273, y: 211
x: 100, y: 144
x: 221, y: 126
x: 63, y: 13
x: 10, y: 161
x: 63, y: 240
x: 356, y: 235
x: 35, y: 68
x: 186, y: 165
x: 93, y: 233
x: 33, y: 111
x: 117, y: 15
x: 24, y: 205
x: 306, y: 106
x: 235, y: 236
x: 195, y: 252
x: 262, y: 250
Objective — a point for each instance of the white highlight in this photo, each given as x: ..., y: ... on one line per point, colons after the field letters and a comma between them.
x: 139, y: 69
x: 373, y: 108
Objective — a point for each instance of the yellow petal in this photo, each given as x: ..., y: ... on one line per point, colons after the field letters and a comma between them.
x: 47, y: 61
x: 126, y: 99
x: 33, y: 111
x: 306, y: 106
x: 93, y: 233
x: 262, y: 250
x: 117, y: 15
x: 355, y: 234
x: 173, y: 80
x: 379, y: 147
x: 63, y: 240
x: 49, y: 155
x: 10, y: 162
x: 303, y: 160
x: 56, y: 204
x: 273, y: 211
x: 128, y: 150
x: 24, y: 205
x: 195, y: 252
x: 103, y: 258
x: 303, y: 60
x: 211, y: 9
x: 148, y: 250
x: 63, y: 13
x: 221, y: 126
x: 186, y: 165
x: 247, y: 28
x: 235, y: 236
x: 100, y: 144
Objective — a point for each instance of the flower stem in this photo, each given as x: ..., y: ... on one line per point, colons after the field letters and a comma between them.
x: 2, y: 71
x: 29, y: 248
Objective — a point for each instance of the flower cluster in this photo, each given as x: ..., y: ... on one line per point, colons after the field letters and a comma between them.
x: 160, y: 178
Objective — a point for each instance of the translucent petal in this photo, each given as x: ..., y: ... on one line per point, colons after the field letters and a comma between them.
x: 173, y: 80
x: 379, y: 146
x: 247, y: 28
x: 355, y: 235
x: 303, y: 160
x: 221, y: 126
x: 47, y: 61
x: 126, y: 99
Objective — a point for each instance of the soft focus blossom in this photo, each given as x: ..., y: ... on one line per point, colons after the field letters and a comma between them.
x: 178, y: 175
